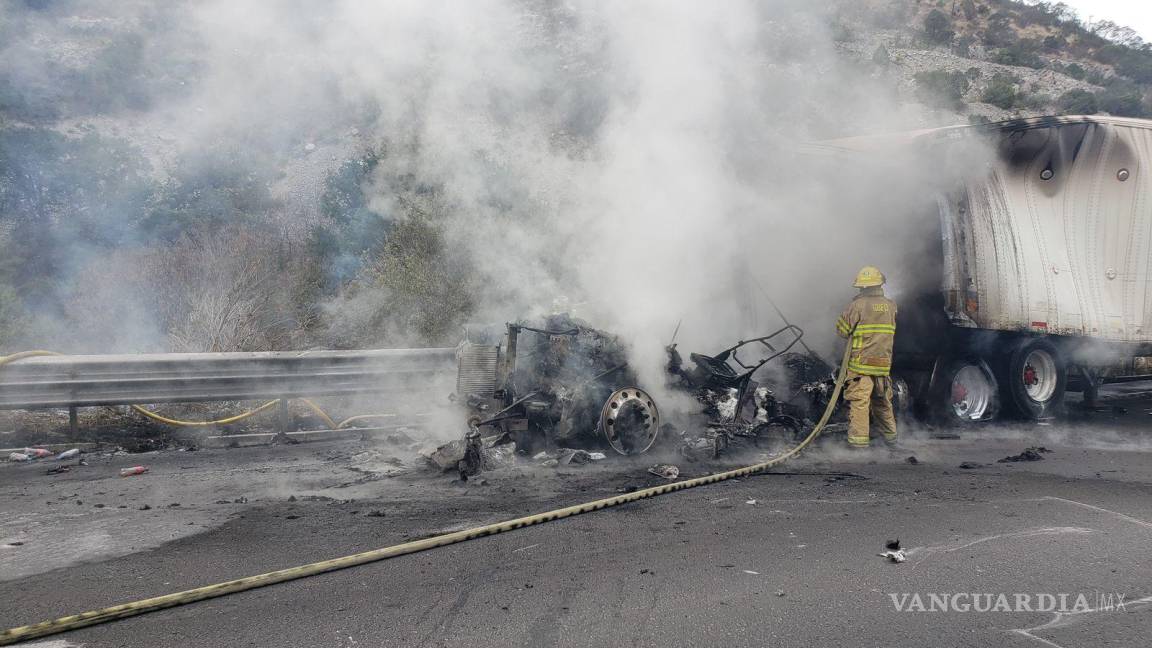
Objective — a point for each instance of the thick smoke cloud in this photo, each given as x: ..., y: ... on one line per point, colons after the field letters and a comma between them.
x: 640, y: 160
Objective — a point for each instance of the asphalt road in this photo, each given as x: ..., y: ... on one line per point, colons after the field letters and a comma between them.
x: 778, y: 559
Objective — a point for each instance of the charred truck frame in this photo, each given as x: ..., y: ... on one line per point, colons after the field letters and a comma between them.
x: 562, y: 383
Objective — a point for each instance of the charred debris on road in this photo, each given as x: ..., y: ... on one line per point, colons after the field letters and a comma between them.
x: 562, y: 392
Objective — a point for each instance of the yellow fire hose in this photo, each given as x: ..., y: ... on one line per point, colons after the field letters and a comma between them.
x: 64, y: 624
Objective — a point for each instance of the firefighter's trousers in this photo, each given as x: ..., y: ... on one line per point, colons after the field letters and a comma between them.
x: 869, y: 397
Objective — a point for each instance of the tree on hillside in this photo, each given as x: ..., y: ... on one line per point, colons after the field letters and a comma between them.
x: 999, y: 31
x: 969, y: 9
x: 208, y: 191
x: 1001, y: 92
x: 61, y: 196
x: 1079, y: 102
x: 938, y: 27
x: 942, y: 88
x: 1123, y: 99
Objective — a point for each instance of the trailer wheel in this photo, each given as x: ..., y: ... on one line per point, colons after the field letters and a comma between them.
x: 965, y: 392
x: 1036, y: 379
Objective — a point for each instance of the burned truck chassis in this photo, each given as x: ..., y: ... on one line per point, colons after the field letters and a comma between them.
x: 564, y: 384
x: 578, y: 390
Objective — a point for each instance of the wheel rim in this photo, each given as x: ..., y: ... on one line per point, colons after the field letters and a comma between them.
x: 630, y: 421
x: 972, y: 393
x: 1039, y: 375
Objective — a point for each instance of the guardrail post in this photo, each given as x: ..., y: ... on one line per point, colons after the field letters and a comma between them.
x: 73, y: 422
x: 283, y: 422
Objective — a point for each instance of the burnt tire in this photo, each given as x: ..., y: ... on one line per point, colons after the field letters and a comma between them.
x: 964, y: 392
x: 778, y: 434
x: 1035, y: 380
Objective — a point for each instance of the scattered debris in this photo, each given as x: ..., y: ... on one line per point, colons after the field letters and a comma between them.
x: 751, y: 501
x: 134, y: 470
x: 569, y: 456
x: 667, y: 471
x: 741, y: 409
x: 1029, y: 454
x: 145, y: 508
x: 911, y: 459
x: 726, y: 405
x: 37, y: 453
x: 970, y: 465
x: 68, y: 454
x: 894, y: 552
x: 749, y: 571
x: 58, y: 469
x: 597, y: 456
x: 448, y: 456
x: 18, y: 456
x: 498, y: 456
x: 240, y: 500
x: 779, y: 592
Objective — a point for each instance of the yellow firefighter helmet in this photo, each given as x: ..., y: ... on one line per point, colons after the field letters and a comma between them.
x: 868, y: 277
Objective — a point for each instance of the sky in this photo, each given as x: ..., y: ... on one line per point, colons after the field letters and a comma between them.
x: 1136, y: 14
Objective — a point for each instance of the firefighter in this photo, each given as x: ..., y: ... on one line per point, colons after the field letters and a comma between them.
x: 869, y: 325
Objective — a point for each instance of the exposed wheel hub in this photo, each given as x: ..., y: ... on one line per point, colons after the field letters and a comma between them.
x: 972, y: 393
x: 1040, y: 375
x: 630, y: 421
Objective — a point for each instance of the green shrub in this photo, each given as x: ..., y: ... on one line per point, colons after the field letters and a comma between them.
x: 1018, y: 55
x: 938, y: 27
x: 880, y: 56
x: 1079, y: 102
x: 942, y: 88
x: 1001, y: 92
x: 1123, y: 100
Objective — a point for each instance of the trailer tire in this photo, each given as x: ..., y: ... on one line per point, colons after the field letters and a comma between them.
x: 964, y: 392
x: 1036, y: 379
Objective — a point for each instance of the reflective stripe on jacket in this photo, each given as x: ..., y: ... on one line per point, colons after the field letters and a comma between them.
x: 870, y: 320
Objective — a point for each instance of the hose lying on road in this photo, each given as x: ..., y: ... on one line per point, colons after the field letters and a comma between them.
x: 64, y: 624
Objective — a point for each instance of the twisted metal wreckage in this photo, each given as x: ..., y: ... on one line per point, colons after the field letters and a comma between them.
x: 560, y: 388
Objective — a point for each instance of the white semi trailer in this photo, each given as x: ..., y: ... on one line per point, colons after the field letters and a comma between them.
x: 1045, y: 269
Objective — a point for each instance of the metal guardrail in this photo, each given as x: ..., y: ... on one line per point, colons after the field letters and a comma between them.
x: 87, y: 380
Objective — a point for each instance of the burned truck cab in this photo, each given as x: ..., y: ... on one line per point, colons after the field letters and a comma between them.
x: 555, y: 383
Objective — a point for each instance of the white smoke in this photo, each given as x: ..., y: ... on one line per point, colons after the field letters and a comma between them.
x: 638, y: 159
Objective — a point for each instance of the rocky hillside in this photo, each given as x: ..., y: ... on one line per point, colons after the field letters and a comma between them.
x: 977, y: 60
